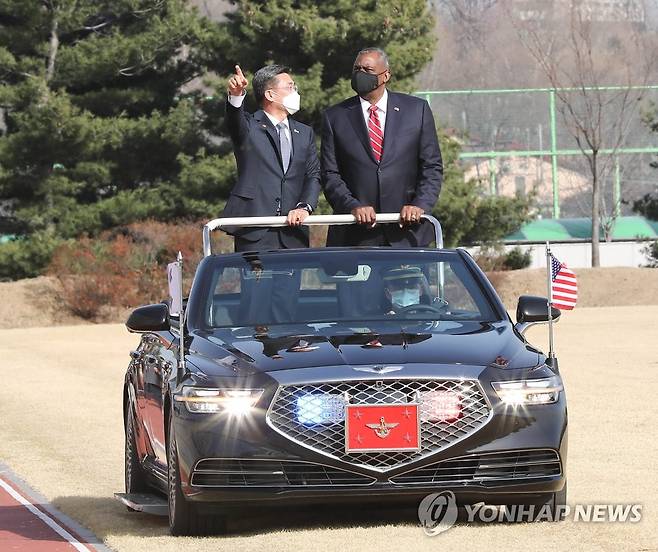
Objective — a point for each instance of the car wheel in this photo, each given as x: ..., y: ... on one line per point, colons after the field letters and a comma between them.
x: 557, y: 503
x: 184, y: 517
x: 551, y: 509
x: 135, y: 478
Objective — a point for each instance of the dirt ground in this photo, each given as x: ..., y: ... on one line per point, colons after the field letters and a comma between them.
x: 597, y: 287
x: 35, y: 302
x: 61, y: 430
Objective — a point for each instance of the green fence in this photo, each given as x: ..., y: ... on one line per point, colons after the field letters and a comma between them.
x: 510, y: 129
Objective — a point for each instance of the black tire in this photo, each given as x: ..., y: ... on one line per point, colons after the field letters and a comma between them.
x: 557, y: 504
x: 549, y: 510
x: 184, y: 517
x: 553, y: 507
x: 135, y: 478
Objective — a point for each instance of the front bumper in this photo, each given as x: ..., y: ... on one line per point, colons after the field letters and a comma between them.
x: 521, y: 431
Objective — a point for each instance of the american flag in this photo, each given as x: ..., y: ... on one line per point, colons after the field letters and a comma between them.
x: 564, y: 287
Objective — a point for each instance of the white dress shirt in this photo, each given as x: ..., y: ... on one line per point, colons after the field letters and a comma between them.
x: 236, y: 101
x: 381, y: 109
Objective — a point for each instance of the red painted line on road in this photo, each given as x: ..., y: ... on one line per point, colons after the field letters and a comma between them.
x: 26, y: 527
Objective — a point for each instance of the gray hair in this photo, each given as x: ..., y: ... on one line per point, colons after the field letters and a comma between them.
x: 265, y: 77
x: 382, y: 54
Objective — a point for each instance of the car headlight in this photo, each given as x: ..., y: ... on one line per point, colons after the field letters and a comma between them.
x: 231, y: 401
x: 530, y: 391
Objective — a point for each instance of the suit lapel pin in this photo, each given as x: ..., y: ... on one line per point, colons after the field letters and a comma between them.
x: 264, y: 126
x: 295, y: 130
x: 396, y: 108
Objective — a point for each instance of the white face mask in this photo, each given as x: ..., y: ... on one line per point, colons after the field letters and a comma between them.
x: 292, y: 102
x: 405, y: 297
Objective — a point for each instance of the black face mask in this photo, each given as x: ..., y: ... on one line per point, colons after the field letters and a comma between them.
x: 363, y: 82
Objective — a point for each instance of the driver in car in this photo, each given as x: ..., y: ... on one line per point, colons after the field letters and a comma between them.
x: 404, y: 288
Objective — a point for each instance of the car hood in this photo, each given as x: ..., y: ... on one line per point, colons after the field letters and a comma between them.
x: 247, y: 350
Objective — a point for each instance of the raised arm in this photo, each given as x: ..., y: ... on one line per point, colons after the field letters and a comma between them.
x: 236, y: 118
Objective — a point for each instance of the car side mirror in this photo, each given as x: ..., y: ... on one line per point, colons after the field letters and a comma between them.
x: 532, y: 310
x: 149, y: 318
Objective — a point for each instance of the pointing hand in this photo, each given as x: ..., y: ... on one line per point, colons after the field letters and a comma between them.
x: 237, y: 83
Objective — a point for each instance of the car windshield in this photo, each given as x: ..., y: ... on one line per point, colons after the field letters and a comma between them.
x: 326, y: 286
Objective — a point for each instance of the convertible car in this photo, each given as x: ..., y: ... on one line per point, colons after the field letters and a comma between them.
x: 340, y: 375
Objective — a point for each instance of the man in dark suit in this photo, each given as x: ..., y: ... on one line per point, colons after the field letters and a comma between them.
x: 278, y: 174
x: 278, y: 166
x: 380, y: 154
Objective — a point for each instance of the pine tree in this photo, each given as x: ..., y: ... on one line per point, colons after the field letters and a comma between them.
x: 97, y: 131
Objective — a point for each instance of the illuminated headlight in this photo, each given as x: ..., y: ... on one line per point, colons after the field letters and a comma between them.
x: 232, y: 401
x: 531, y: 391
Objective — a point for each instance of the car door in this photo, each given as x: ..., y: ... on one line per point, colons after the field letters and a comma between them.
x: 156, y: 369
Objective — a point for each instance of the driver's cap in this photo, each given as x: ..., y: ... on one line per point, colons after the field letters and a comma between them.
x: 404, y: 274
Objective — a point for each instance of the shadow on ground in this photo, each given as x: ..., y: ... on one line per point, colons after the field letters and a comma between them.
x: 106, y: 516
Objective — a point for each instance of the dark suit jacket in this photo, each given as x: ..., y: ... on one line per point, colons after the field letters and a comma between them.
x: 410, y: 171
x: 262, y: 188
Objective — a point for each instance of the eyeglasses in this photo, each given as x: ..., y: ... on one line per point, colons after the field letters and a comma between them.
x: 289, y: 87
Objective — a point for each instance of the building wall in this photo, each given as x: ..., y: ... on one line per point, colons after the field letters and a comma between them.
x: 579, y: 255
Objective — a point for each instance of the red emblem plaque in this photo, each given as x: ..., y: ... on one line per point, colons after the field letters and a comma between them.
x: 382, y: 427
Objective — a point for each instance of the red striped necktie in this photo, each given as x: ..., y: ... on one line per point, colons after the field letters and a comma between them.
x: 375, y: 132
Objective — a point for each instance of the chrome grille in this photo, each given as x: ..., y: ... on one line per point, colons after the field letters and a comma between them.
x: 483, y: 468
x: 225, y: 472
x: 329, y: 437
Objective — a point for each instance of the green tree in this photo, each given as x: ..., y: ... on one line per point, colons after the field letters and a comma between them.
x: 319, y: 40
x: 102, y: 127
x: 647, y: 205
x: 98, y: 132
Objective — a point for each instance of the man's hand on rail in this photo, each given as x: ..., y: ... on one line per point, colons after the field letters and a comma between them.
x: 410, y: 214
x: 365, y: 215
x: 296, y: 217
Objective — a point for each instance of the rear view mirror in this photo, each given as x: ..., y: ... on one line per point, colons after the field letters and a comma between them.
x: 149, y: 318
x: 532, y: 309
x: 358, y: 273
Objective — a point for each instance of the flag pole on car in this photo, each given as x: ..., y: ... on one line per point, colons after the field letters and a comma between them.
x: 175, y: 278
x: 181, y: 344
x: 562, y: 290
x: 549, y: 255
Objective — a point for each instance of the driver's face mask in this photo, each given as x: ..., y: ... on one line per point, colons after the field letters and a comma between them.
x: 405, y: 297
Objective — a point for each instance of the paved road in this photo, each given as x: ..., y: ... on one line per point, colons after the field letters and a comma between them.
x: 29, y: 524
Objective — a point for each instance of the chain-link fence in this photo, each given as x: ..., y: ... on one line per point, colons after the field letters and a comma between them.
x: 522, y: 141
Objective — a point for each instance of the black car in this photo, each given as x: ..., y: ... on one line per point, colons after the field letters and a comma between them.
x: 341, y: 375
